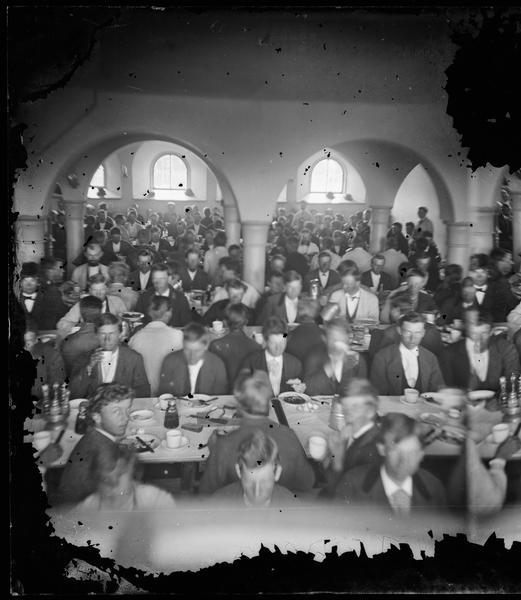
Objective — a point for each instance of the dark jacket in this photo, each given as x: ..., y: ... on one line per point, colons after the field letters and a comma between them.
x: 363, y: 486
x: 77, y: 480
x: 386, y: 283
x: 134, y: 281
x: 297, y: 472
x: 76, y: 348
x: 201, y: 281
x: 317, y: 381
x: 303, y: 339
x: 181, y: 313
x: 175, y: 378
x: 48, y: 309
x: 130, y: 371
x: 380, y: 338
x: 388, y: 377
x: 503, y: 361
x: 49, y: 367
x: 333, y: 279
x: 275, y: 306
x: 291, y: 367
x: 499, y: 299
x: 217, y: 312
x: 233, y: 348
x: 125, y: 249
x: 297, y: 262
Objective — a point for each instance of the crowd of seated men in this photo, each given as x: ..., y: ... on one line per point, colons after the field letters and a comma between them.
x: 146, y: 264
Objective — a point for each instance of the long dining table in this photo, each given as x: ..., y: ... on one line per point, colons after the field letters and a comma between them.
x: 303, y: 423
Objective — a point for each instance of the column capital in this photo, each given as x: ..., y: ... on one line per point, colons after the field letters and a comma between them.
x: 485, y: 210
x: 380, y: 214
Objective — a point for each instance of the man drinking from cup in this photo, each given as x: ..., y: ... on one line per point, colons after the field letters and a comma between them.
x: 109, y: 411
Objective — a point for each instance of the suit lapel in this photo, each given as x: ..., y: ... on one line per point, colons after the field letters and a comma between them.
x: 396, y: 368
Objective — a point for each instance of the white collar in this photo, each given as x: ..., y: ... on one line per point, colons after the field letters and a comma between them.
x: 290, y: 300
x: 106, y: 434
x: 197, y: 365
x: 365, y: 428
x: 471, y: 350
x: 156, y: 325
x: 390, y: 487
x: 355, y: 296
x: 414, y: 351
x: 481, y: 287
x: 165, y: 294
x: 270, y: 358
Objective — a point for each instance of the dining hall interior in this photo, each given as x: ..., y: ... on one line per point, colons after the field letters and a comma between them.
x: 254, y: 269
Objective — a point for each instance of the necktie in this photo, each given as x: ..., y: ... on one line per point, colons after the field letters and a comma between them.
x: 29, y: 297
x: 401, y: 502
x: 478, y: 289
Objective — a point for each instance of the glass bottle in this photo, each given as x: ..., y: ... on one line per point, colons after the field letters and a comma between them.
x: 171, y: 415
x: 503, y: 395
x: 209, y: 295
x: 55, y: 415
x: 46, y: 402
x: 82, y: 420
x: 512, y: 397
x: 65, y: 406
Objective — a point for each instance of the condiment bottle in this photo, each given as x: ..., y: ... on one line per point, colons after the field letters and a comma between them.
x: 171, y: 415
x: 82, y: 420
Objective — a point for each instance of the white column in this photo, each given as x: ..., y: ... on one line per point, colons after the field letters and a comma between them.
x: 74, y: 209
x: 483, y: 229
x: 458, y: 235
x: 232, y: 225
x: 379, y: 227
x: 255, y: 234
x: 30, y: 238
x: 516, y: 225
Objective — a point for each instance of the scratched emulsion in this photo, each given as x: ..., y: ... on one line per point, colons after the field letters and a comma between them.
x: 47, y: 47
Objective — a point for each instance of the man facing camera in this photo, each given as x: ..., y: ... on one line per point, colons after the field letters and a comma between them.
x: 235, y: 292
x: 193, y: 370
x: 398, y: 484
x: 82, y: 274
x: 258, y: 469
x: 284, y: 305
x: 109, y: 411
x: 480, y: 359
x: 274, y: 360
x: 110, y: 363
x: 253, y: 394
x: 406, y: 364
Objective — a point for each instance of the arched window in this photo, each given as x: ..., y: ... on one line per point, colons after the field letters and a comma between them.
x: 98, y: 179
x: 327, y: 176
x: 169, y: 173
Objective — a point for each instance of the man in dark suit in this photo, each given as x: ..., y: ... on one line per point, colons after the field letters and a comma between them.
x: 79, y: 345
x: 355, y: 444
x: 325, y: 276
x: 380, y: 338
x: 235, y: 346
x: 376, y: 279
x: 103, y: 221
x: 193, y: 370
x: 407, y: 364
x: 181, y: 313
x: 217, y: 311
x: 50, y: 368
x: 429, y: 268
x: 110, y: 363
x: 493, y: 296
x: 253, y: 393
x: 140, y: 280
x: 193, y: 276
x: 329, y: 368
x: 116, y: 249
x: 308, y: 335
x: 42, y: 308
x: 109, y: 413
x: 480, y: 359
x: 274, y: 360
x: 421, y: 301
x: 284, y: 305
x: 398, y: 484
x: 294, y: 260
x: 159, y: 245
x: 197, y: 227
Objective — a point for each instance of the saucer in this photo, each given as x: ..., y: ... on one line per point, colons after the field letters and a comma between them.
x: 407, y: 403
x: 184, y: 443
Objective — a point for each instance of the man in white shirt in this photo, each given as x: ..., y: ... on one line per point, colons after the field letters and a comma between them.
x: 140, y: 280
x: 424, y: 223
x: 229, y: 271
x: 213, y: 256
x: 399, y: 484
x: 93, y: 253
x: 97, y: 288
x: 156, y: 340
x: 354, y: 302
x: 359, y: 256
x: 306, y: 246
x: 132, y: 225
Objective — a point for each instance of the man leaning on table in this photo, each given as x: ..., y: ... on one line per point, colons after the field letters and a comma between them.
x: 406, y: 364
x: 253, y: 393
x: 109, y: 415
x: 112, y: 362
x: 398, y: 483
x: 194, y: 369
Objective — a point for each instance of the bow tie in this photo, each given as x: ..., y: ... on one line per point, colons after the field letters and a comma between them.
x: 32, y: 297
x: 478, y: 289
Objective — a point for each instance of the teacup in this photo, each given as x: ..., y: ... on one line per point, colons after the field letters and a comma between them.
x: 411, y: 395
x: 41, y: 440
x: 163, y: 401
x: 174, y: 438
x: 500, y: 432
x: 317, y: 447
x: 217, y: 326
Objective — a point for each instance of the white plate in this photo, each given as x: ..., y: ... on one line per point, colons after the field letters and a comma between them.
x: 285, y: 395
x: 184, y: 443
x: 406, y: 402
x: 132, y: 316
x: 142, y: 415
x: 76, y: 402
x: 202, y: 397
x: 476, y: 395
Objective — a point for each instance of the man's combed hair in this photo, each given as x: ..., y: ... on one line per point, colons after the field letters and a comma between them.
x: 97, y: 278
x: 257, y: 450
x: 236, y: 316
x: 158, y: 306
x: 90, y: 309
x: 395, y: 427
x: 107, y: 319
x: 194, y: 332
x: 361, y: 388
x: 348, y: 267
x: 411, y: 317
x: 235, y: 284
x: 108, y: 393
x: 274, y: 326
x: 291, y: 275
